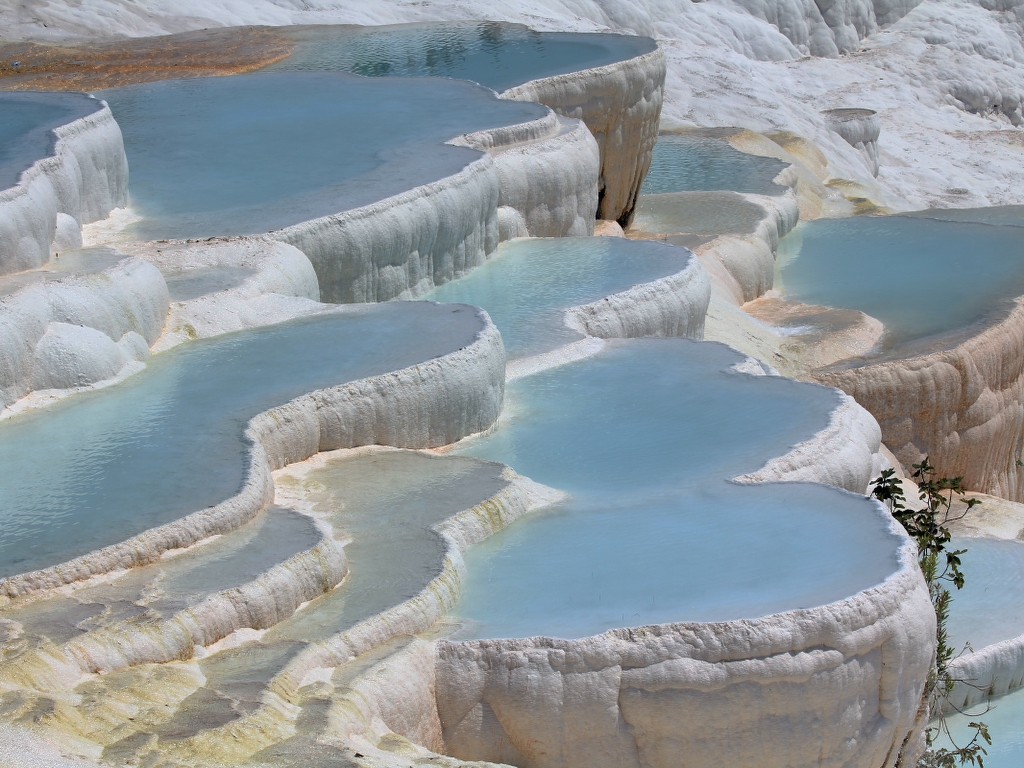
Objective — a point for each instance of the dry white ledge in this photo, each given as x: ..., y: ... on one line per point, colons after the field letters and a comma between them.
x: 82, y: 181
x: 78, y: 330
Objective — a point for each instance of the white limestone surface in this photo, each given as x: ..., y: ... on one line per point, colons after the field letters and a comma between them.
x: 84, y: 178
x: 281, y: 284
x: 860, y: 128
x: 404, y: 245
x: 434, y: 403
x: 675, y: 305
x: 943, y: 75
x: 78, y: 330
x: 621, y: 105
x: 548, y: 173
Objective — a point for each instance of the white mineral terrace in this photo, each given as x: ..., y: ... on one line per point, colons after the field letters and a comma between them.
x: 331, y: 434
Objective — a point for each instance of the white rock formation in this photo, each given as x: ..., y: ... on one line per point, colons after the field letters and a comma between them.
x: 860, y: 128
x: 404, y: 245
x: 842, y: 684
x: 80, y: 329
x: 675, y: 305
x: 547, y: 177
x: 621, y: 105
x: 84, y: 178
x: 961, y: 407
x: 282, y: 285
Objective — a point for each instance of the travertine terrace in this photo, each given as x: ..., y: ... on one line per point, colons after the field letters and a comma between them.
x: 331, y: 434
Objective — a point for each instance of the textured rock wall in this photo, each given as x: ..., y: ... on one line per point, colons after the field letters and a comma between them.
x: 84, y: 179
x: 672, y: 306
x: 621, y: 105
x: 963, y: 408
x: 403, y: 246
x: 838, y: 685
x: 434, y: 403
x: 79, y: 330
x: 860, y: 128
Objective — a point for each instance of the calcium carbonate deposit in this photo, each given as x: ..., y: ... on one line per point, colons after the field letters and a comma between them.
x: 407, y: 384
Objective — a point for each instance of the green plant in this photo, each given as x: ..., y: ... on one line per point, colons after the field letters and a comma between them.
x: 926, y: 523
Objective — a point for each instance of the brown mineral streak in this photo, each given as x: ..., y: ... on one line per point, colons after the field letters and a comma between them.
x: 114, y: 63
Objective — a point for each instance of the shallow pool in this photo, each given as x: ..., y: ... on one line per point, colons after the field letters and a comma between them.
x: 104, y: 465
x: 695, y: 163
x: 254, y: 153
x: 922, y: 276
x: 990, y: 607
x: 645, y: 436
x: 696, y: 213
x: 1006, y: 727
x: 494, y: 54
x: 527, y: 286
x: 27, y: 121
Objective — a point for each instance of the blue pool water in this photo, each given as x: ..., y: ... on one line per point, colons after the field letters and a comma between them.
x: 27, y: 121
x: 990, y: 607
x: 1005, y: 723
x: 101, y: 466
x: 529, y: 283
x: 694, y: 163
x: 696, y: 213
x: 644, y: 436
x: 493, y: 54
x: 921, y: 276
x: 253, y: 153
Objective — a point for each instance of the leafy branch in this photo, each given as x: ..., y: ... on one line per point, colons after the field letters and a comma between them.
x: 927, y: 525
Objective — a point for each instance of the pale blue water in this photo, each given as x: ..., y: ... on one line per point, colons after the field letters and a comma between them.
x: 528, y: 284
x: 497, y: 55
x: 101, y: 466
x: 253, y: 153
x: 702, y: 163
x: 27, y: 121
x: 1006, y: 727
x: 83, y: 262
x: 645, y: 436
x: 696, y: 213
x: 990, y: 607
x: 920, y: 276
x: 193, y: 283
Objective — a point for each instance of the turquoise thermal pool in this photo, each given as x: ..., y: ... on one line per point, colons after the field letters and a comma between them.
x: 645, y: 437
x: 695, y: 163
x: 696, y: 213
x: 253, y: 153
x: 990, y: 607
x: 1005, y: 723
x: 27, y: 121
x: 922, y: 276
x: 387, y: 504
x: 496, y: 55
x: 529, y: 283
x: 72, y: 475
x: 84, y: 261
